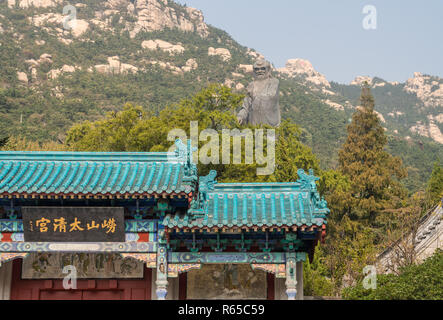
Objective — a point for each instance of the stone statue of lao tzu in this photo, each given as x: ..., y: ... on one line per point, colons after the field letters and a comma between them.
x: 261, y: 104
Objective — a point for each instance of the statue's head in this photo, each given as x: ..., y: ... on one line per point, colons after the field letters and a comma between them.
x: 262, y: 69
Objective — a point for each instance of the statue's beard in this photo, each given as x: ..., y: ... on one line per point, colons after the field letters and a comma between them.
x: 262, y: 76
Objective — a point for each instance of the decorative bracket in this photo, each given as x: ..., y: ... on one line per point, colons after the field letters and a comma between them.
x: 278, y: 269
x: 150, y: 259
x: 175, y: 269
x: 8, y: 256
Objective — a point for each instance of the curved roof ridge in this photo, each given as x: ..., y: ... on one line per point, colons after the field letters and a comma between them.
x: 89, y: 156
x: 254, y: 187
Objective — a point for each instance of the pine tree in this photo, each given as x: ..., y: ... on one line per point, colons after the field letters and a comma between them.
x: 373, y: 173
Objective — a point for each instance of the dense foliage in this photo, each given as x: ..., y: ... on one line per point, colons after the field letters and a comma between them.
x: 374, y: 174
x: 415, y: 282
x: 435, y: 184
x: 212, y: 108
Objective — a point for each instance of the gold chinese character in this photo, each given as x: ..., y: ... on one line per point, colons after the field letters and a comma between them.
x: 75, y: 225
x: 42, y: 223
x: 60, y: 224
x: 93, y: 225
x: 110, y: 224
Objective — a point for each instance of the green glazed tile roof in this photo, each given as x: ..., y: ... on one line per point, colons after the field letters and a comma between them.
x: 257, y: 205
x: 91, y: 173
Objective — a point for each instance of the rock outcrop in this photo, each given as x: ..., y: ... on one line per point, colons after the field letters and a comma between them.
x: 115, y: 66
x: 360, y: 80
x: 44, y: 58
x: 223, y: 53
x: 34, y: 3
x: 430, y: 130
x: 190, y: 65
x: 77, y: 27
x: 372, y: 82
x: 163, y: 45
x: 155, y: 15
x: 22, y: 77
x: 303, y: 68
x: 146, y: 15
x: 53, y: 74
x: 254, y: 54
x: 246, y: 68
x: 334, y: 105
x: 427, y: 88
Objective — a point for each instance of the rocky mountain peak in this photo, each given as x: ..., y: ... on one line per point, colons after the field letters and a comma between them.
x: 429, y: 89
x: 145, y: 15
x: 304, y: 68
x: 360, y: 80
x: 154, y: 15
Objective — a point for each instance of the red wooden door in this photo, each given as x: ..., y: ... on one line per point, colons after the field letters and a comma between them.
x: 101, y: 289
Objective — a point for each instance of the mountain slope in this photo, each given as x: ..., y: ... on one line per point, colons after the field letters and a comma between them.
x: 57, y: 71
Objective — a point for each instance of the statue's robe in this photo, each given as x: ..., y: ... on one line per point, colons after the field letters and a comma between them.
x: 261, y: 104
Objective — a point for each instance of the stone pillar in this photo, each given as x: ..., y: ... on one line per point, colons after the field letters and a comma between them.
x: 162, y: 273
x: 299, y: 271
x: 291, y: 277
x: 5, y: 280
x: 280, y: 289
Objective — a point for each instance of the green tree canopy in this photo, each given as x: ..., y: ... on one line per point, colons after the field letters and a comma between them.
x: 435, y: 183
x: 415, y: 282
x: 133, y: 129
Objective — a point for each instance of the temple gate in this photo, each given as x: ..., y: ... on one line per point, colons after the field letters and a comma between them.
x: 146, y: 226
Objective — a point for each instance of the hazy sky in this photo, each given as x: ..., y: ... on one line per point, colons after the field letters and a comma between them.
x: 330, y: 34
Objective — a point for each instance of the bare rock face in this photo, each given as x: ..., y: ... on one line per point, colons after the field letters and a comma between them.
x: 22, y: 77
x: 77, y: 26
x: 239, y: 86
x: 146, y: 15
x: 236, y: 75
x: 53, y: 74
x: 372, y: 82
x: 168, y: 66
x: 360, y: 80
x: 45, y: 57
x: 223, y: 53
x: 34, y: 3
x: 438, y: 118
x: 430, y: 130
x: 191, y: 64
x: 154, y: 15
x: 254, y: 54
x: 33, y: 74
x: 301, y: 67
x: 115, y: 66
x: 428, y: 89
x: 246, y: 68
x: 163, y: 45
x: 334, y: 105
